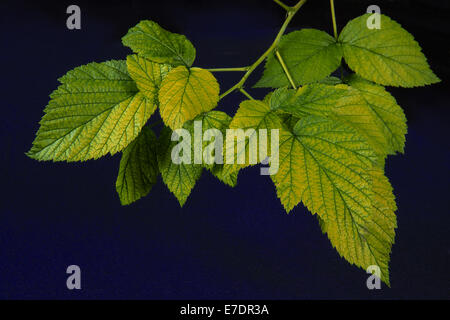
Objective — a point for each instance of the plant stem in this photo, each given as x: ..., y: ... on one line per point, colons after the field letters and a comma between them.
x: 285, y: 7
x: 333, y: 17
x: 289, y: 17
x: 245, y: 93
x: 227, y: 69
x: 286, y: 71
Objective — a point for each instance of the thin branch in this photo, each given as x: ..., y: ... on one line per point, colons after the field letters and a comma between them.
x: 289, y: 17
x: 227, y: 69
x: 245, y: 93
x: 281, y: 4
x: 285, y: 69
x: 333, y: 17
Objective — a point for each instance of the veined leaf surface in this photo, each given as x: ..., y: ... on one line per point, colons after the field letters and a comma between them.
x: 389, y: 56
x: 185, y: 93
x: 138, y: 170
x: 96, y: 110
x: 151, y: 41
x: 309, y: 54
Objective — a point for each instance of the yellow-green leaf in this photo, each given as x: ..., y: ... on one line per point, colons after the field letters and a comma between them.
x: 179, y: 178
x: 185, y: 93
x: 138, y: 170
x: 251, y: 116
x: 96, y: 110
x: 388, y: 56
x: 328, y: 166
x: 309, y: 54
x: 148, y: 75
x: 151, y: 41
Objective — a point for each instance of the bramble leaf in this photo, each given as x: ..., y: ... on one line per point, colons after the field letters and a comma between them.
x: 386, y: 114
x: 367, y: 107
x: 309, y: 54
x: 215, y: 120
x: 96, y: 110
x: 148, y: 75
x: 328, y: 166
x: 179, y: 178
x: 251, y: 116
x: 152, y: 42
x: 185, y: 93
x: 138, y: 170
x: 389, y: 56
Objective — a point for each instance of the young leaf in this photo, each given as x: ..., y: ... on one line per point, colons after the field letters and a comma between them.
x: 179, y: 178
x: 148, y: 75
x: 96, y: 110
x: 388, y: 56
x: 251, y: 116
x: 309, y: 54
x: 185, y: 93
x: 138, y: 170
x: 151, y: 41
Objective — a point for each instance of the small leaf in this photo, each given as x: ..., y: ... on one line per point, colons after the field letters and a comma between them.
x: 138, y: 170
x: 148, y: 75
x: 185, y: 93
x: 96, y: 110
x: 152, y: 42
x: 214, y: 120
x: 389, y: 56
x: 179, y: 178
x: 251, y: 116
x: 309, y: 54
x: 386, y: 114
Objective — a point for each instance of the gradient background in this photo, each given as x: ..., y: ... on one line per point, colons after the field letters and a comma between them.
x: 225, y: 243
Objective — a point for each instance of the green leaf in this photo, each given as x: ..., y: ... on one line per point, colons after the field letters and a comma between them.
x: 367, y: 107
x: 213, y: 120
x: 138, y: 170
x: 179, y: 178
x: 148, y: 75
x: 310, y: 55
x: 96, y: 110
x: 151, y: 41
x: 185, y: 93
x: 328, y: 166
x: 379, y: 236
x: 388, y: 56
x: 319, y: 148
x: 385, y: 113
x: 251, y: 116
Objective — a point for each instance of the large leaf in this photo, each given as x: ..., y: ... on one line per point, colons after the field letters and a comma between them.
x: 251, y: 116
x: 388, y: 56
x: 96, y: 110
x: 370, y: 109
x: 185, y: 93
x: 148, y: 75
x: 310, y: 55
x: 151, y: 41
x: 328, y: 166
x: 138, y: 170
x: 179, y: 178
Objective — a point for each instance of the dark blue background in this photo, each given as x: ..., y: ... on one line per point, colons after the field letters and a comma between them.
x: 225, y: 243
